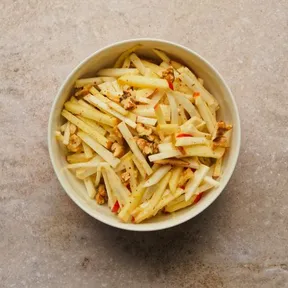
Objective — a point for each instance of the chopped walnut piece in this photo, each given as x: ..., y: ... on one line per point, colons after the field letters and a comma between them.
x: 99, y: 199
x: 115, y: 135
x: 143, y: 130
x: 146, y: 147
x: 219, y: 139
x: 102, y: 190
x: 101, y: 196
x: 142, y: 143
x: 117, y: 149
x: 74, y: 143
x: 125, y: 176
x: 126, y: 94
x: 128, y: 103
x: 153, y: 138
x: 168, y: 74
x: 221, y: 128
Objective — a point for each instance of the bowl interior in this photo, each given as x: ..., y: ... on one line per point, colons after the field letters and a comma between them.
x: 105, y: 58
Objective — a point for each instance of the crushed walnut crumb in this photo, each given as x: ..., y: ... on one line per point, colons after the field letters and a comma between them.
x: 125, y: 177
x: 219, y: 138
x: 146, y: 132
x: 129, y: 103
x: 222, y: 127
x: 117, y: 149
x: 146, y: 147
x: 143, y: 130
x: 74, y: 143
x: 101, y: 196
x: 153, y: 138
x: 128, y: 100
x: 116, y: 136
x: 168, y: 74
x: 126, y: 94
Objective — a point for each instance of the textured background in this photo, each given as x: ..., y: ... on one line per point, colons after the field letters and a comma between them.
x: 239, y: 241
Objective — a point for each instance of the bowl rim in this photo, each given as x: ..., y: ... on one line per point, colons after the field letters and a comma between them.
x: 184, y: 218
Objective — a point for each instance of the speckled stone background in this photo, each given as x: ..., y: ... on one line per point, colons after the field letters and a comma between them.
x: 239, y: 241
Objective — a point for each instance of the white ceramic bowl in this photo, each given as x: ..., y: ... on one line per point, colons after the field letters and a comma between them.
x: 105, y: 58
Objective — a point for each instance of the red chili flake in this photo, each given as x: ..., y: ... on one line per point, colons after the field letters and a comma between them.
x: 198, y: 197
x: 184, y: 135
x: 170, y: 85
x: 193, y: 170
x: 116, y: 207
x: 196, y: 94
x: 133, y: 219
x: 182, y: 187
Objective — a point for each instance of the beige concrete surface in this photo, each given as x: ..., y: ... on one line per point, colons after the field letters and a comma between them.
x: 239, y: 241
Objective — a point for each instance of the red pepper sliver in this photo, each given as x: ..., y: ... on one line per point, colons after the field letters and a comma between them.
x: 184, y: 135
x: 170, y: 85
x: 198, y: 197
x: 182, y: 187
x: 116, y: 207
x: 196, y: 94
x: 132, y: 219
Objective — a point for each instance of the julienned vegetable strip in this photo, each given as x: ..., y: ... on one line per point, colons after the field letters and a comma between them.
x: 125, y: 54
x: 143, y: 82
x: 89, y: 113
x: 117, y: 72
x: 157, y: 175
x: 194, y: 182
x: 206, y: 114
